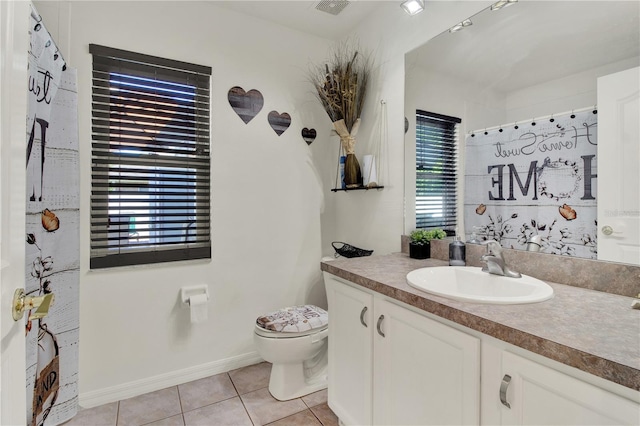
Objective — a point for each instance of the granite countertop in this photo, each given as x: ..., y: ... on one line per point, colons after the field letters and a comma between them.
x: 590, y: 330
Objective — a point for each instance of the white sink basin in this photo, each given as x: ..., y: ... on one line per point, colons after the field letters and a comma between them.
x: 470, y: 284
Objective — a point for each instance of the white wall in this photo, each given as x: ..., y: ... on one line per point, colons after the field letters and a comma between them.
x: 266, y: 198
x: 561, y: 95
x: 268, y: 229
x: 375, y: 220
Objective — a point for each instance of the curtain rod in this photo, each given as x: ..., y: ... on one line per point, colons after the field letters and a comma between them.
x: 544, y: 117
x: 36, y: 16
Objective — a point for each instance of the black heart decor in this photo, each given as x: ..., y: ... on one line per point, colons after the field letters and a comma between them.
x: 309, y: 135
x: 279, y: 122
x: 246, y: 104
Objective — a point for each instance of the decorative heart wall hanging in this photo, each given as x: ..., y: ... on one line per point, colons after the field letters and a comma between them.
x: 246, y: 104
x: 309, y: 135
x: 279, y: 122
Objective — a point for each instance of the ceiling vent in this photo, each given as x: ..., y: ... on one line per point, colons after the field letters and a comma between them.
x: 332, y: 6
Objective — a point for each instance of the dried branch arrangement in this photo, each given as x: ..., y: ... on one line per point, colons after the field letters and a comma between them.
x: 341, y: 83
x: 341, y: 88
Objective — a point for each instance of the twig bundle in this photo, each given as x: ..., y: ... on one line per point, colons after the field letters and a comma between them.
x: 341, y: 84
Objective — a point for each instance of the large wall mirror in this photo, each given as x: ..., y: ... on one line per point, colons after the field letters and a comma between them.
x: 527, y: 62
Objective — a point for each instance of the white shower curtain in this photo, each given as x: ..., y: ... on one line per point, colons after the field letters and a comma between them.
x: 535, y: 178
x: 52, y: 221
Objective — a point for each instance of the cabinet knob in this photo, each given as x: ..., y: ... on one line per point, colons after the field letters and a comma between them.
x: 503, y: 390
x: 364, y: 311
x: 380, y: 319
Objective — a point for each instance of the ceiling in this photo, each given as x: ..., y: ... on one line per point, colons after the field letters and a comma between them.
x: 302, y: 15
x: 534, y: 41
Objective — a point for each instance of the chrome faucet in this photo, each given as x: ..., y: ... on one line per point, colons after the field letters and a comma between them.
x: 494, y: 260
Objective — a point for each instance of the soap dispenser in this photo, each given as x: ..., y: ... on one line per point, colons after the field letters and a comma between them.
x: 457, y: 252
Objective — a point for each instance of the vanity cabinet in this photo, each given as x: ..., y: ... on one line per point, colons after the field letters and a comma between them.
x: 350, y: 352
x: 389, y: 365
x: 539, y: 395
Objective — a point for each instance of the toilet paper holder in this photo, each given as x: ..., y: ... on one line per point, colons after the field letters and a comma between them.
x: 187, y: 292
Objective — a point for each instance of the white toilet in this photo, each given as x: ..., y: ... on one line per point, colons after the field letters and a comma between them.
x: 294, y: 341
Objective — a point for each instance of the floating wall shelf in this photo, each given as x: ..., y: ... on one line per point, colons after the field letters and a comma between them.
x: 357, y: 189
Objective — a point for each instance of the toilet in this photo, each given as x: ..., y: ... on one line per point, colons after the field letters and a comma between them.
x: 294, y: 341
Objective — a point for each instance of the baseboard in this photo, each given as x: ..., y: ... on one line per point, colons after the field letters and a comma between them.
x: 173, y: 378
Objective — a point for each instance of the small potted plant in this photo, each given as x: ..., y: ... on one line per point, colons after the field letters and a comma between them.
x: 420, y: 245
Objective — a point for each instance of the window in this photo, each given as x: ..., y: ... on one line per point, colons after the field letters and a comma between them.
x: 436, y: 170
x: 150, y: 175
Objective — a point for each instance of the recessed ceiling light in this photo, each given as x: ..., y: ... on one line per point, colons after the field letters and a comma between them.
x: 413, y: 7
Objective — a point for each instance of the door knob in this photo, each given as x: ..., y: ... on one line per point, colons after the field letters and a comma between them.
x: 21, y: 303
x: 608, y: 230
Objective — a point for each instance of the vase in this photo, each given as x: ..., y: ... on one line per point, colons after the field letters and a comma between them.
x: 419, y: 251
x: 352, y: 173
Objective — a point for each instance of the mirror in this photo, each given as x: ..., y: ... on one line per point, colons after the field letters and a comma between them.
x: 530, y: 60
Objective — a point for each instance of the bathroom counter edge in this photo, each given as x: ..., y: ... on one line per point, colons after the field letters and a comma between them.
x: 562, y: 329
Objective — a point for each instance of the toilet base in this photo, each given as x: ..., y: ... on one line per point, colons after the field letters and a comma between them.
x: 296, y: 379
x: 289, y: 381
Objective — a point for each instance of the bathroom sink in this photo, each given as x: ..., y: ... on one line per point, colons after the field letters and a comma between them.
x: 470, y: 284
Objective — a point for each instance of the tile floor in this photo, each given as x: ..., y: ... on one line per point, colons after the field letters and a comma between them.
x: 240, y: 397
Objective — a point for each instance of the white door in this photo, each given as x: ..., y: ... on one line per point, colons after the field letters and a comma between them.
x: 425, y: 373
x: 14, y: 45
x: 350, y: 389
x: 619, y: 167
x: 538, y: 395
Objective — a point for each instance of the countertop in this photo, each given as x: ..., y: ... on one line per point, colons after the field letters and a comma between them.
x: 590, y: 330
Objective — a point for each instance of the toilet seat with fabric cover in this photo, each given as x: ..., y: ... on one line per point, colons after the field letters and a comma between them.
x: 293, y: 321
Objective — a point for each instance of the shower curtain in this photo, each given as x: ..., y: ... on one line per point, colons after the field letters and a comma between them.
x: 52, y: 223
x: 535, y: 178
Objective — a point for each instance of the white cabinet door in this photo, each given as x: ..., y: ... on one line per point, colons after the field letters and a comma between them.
x: 539, y: 395
x: 350, y: 390
x: 424, y: 372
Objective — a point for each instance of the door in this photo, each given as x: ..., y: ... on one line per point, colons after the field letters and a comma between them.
x: 425, y: 373
x: 539, y: 395
x: 14, y: 45
x: 618, y: 171
x: 350, y: 390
